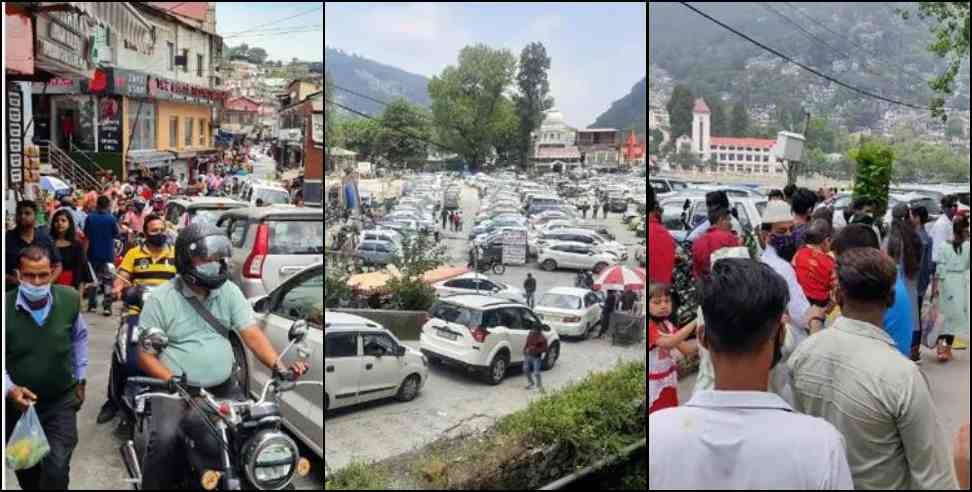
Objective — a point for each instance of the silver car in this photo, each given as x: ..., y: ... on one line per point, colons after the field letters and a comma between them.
x: 271, y: 244
x: 301, y: 297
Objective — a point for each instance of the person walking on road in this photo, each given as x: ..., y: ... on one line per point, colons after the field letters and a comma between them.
x: 853, y: 375
x: 445, y: 215
x: 951, y: 287
x: 739, y: 422
x: 610, y: 305
x: 536, y: 346
x: 530, y: 287
x: 604, y: 207
x: 46, y: 343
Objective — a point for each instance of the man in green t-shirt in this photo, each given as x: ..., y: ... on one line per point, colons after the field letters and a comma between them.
x: 196, y: 350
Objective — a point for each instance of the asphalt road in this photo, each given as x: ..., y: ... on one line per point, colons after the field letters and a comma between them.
x: 452, y: 402
x: 97, y: 464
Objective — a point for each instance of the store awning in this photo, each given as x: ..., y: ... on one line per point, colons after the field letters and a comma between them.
x: 149, y: 158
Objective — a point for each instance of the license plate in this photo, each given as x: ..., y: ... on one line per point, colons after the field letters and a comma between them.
x: 448, y: 335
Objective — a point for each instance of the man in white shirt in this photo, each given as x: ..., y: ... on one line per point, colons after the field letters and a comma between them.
x: 941, y: 229
x: 739, y: 436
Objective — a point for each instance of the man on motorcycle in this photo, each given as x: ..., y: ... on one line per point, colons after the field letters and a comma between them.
x: 196, y: 349
x: 151, y: 265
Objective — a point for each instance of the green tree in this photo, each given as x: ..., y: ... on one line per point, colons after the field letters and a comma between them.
x: 873, y: 180
x: 402, y: 135
x: 680, y: 111
x: 531, y: 102
x: 739, y: 124
x: 951, y: 43
x: 466, y: 101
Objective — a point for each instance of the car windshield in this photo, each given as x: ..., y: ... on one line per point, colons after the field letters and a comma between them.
x: 269, y: 195
x: 209, y: 215
x: 294, y: 237
x: 560, y: 301
x: 452, y: 313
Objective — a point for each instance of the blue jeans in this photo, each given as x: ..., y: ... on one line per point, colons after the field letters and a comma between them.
x: 532, y: 365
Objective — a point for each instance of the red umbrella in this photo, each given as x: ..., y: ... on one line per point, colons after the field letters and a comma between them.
x: 620, y: 277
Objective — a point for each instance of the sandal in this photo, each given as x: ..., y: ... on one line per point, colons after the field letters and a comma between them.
x: 943, y: 351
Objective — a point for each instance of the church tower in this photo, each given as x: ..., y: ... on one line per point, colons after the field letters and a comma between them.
x: 701, y: 127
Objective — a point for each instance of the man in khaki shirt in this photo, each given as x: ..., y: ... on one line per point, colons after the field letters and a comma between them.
x: 853, y: 377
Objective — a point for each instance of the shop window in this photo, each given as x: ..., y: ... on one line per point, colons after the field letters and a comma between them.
x: 141, y: 124
x: 189, y: 133
x: 173, y: 132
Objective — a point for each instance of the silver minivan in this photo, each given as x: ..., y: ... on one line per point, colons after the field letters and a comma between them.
x: 270, y: 244
x: 299, y: 298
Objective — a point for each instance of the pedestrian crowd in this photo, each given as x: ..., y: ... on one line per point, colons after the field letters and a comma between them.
x: 809, y: 352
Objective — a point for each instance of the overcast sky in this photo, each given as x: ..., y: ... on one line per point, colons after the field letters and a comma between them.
x: 598, y: 51
x: 285, y: 29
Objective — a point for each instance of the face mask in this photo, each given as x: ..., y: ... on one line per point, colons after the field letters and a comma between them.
x: 785, y: 246
x: 210, y: 269
x: 35, y: 293
x: 156, y: 240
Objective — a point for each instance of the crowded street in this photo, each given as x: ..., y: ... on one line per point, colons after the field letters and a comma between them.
x: 163, y: 246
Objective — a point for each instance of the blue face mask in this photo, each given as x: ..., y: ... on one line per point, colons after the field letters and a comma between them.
x: 35, y: 293
x: 210, y: 269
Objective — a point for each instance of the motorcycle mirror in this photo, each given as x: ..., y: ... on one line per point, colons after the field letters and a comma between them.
x: 152, y: 340
x: 298, y: 331
x: 111, y: 269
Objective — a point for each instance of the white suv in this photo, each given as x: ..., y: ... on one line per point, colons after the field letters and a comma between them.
x: 363, y: 361
x: 483, y: 334
x: 575, y: 256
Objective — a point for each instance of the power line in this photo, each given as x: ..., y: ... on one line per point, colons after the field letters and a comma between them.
x: 399, y: 130
x: 277, y: 21
x: 812, y: 70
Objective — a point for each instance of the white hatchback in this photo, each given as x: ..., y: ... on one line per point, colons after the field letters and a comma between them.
x: 570, y: 311
x: 483, y: 334
x: 363, y: 362
x: 477, y: 283
x: 574, y: 256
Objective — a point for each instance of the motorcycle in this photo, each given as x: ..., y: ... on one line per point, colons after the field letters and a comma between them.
x: 248, y: 450
x: 126, y: 337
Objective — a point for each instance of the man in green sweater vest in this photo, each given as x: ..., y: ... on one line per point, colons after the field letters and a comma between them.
x: 46, y: 343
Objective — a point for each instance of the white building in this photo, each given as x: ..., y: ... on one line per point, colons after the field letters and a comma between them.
x: 733, y: 155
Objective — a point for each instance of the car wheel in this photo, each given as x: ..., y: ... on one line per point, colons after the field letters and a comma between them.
x: 600, y: 266
x: 243, y: 376
x: 550, y: 359
x: 549, y: 265
x: 409, y: 389
x: 497, y: 369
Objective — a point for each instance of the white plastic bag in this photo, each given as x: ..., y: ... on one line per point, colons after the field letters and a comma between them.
x: 28, y: 444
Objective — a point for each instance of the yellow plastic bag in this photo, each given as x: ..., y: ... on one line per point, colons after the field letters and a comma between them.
x: 28, y: 444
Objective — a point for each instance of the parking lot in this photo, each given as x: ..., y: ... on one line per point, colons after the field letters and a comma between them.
x: 453, y: 402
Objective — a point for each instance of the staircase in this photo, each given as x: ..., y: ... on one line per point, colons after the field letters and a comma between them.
x: 62, y: 165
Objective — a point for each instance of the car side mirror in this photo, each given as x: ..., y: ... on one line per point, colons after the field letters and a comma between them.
x: 262, y: 305
x: 545, y: 327
x: 298, y: 331
x: 400, y: 351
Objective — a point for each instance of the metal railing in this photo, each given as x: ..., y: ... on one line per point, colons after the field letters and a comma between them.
x: 67, y: 168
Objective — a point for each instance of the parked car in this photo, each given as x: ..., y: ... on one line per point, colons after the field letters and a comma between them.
x: 570, y: 311
x: 377, y: 253
x: 483, y: 334
x: 182, y: 211
x: 271, y: 193
x: 300, y: 297
x: 577, y: 235
x: 574, y: 256
x: 366, y: 362
x: 272, y: 243
x: 476, y: 283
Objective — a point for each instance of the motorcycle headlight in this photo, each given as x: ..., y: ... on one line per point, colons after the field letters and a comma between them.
x: 270, y: 460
